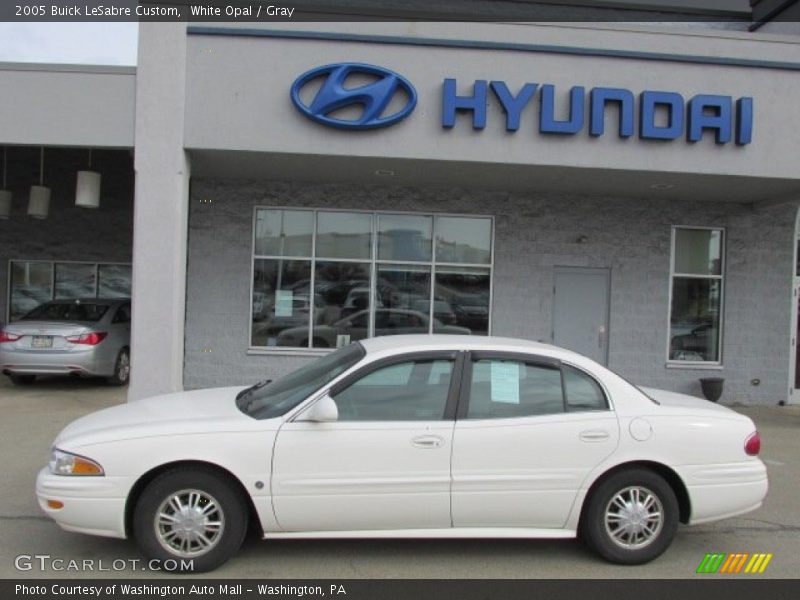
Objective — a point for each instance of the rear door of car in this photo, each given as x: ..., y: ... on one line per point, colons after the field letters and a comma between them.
x: 385, y: 463
x: 528, y: 431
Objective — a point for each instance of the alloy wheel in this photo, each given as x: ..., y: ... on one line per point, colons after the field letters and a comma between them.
x: 189, y: 523
x: 634, y: 517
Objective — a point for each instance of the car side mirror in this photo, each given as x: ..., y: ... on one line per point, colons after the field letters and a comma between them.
x: 323, y: 410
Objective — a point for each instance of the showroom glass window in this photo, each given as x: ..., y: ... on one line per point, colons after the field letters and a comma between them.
x: 34, y: 282
x: 697, y: 280
x: 324, y: 278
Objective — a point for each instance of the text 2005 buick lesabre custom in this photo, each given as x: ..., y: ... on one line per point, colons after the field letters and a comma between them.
x: 408, y: 436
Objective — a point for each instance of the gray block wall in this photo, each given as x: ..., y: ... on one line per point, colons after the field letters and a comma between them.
x: 534, y: 233
x: 69, y: 233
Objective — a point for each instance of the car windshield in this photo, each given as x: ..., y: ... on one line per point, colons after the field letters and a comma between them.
x: 275, y: 398
x: 72, y: 311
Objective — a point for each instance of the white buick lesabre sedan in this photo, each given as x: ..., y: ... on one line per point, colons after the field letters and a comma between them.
x: 408, y: 436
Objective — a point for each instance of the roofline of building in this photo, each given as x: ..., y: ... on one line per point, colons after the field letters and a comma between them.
x: 68, y: 68
x: 492, y: 45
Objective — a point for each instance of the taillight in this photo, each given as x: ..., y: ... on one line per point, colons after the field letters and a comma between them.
x: 8, y: 337
x: 752, y: 444
x: 90, y: 339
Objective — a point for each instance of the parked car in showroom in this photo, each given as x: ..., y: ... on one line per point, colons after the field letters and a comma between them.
x: 388, y: 321
x: 87, y: 337
x: 419, y: 436
x: 698, y: 343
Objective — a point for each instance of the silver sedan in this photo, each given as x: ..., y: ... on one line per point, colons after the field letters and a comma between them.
x: 88, y: 337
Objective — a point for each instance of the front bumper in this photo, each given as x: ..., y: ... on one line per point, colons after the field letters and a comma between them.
x: 93, y: 505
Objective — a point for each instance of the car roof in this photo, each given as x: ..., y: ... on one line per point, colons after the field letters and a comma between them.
x: 423, y: 341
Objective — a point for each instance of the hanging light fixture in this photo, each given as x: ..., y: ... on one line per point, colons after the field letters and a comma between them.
x: 5, y: 195
x: 39, y: 199
x: 87, y: 192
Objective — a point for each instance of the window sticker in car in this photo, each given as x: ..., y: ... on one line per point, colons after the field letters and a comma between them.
x: 283, y: 303
x: 505, y: 382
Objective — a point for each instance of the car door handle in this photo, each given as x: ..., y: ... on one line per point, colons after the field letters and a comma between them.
x: 427, y: 442
x: 594, y: 435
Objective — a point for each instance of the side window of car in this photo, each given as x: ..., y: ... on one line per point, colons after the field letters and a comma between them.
x: 408, y: 391
x: 360, y: 321
x: 402, y: 320
x: 502, y: 389
x: 123, y: 314
x: 381, y: 319
x: 583, y: 392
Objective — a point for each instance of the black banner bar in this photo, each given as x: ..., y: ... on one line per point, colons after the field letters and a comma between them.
x: 733, y: 12
x: 744, y: 588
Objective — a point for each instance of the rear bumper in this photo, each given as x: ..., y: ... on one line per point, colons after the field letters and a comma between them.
x: 724, y: 490
x: 89, y: 361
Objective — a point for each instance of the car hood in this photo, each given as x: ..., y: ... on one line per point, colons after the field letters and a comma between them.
x: 686, y: 403
x: 200, y: 411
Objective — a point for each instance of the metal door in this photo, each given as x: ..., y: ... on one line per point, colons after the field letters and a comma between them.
x: 580, y: 311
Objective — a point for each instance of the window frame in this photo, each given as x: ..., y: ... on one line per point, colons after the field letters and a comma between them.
x: 53, y: 263
x: 472, y: 356
x: 595, y: 380
x: 373, y: 263
x: 456, y: 378
x: 697, y: 364
x: 462, y: 413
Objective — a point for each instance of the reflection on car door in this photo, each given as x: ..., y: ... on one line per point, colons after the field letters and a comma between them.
x: 384, y: 464
x: 528, y: 432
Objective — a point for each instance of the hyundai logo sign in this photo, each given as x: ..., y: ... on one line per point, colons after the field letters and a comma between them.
x: 372, y: 91
x: 373, y: 98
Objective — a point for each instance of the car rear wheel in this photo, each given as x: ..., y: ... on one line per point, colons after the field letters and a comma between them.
x: 122, y: 368
x: 191, y: 520
x: 631, y: 518
x: 22, y: 379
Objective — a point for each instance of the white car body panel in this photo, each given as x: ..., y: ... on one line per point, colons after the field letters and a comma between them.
x: 324, y: 478
x: 368, y: 480
x: 504, y: 474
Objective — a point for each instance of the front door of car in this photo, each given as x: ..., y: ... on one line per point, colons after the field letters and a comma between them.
x: 384, y: 463
x: 528, y: 432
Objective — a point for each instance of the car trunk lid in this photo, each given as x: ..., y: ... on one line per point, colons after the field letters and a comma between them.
x: 683, y: 401
x: 44, y: 335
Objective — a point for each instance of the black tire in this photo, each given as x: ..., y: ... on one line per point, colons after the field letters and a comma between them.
x: 156, y: 541
x: 22, y: 379
x: 645, y: 537
x: 122, y: 369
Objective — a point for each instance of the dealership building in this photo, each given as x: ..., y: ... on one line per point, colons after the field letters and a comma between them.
x: 271, y: 191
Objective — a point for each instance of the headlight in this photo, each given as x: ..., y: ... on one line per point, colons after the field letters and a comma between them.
x: 64, y: 463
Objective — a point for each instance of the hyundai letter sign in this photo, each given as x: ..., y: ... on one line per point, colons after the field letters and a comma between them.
x: 662, y: 115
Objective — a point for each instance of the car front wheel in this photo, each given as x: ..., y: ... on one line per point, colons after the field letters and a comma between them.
x: 631, y: 517
x: 190, y: 519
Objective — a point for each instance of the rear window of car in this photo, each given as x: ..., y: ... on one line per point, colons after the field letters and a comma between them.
x: 77, y: 311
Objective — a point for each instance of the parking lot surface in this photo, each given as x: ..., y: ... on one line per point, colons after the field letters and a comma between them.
x: 33, y: 415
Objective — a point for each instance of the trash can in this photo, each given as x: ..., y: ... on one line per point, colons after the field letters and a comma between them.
x: 712, y: 387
